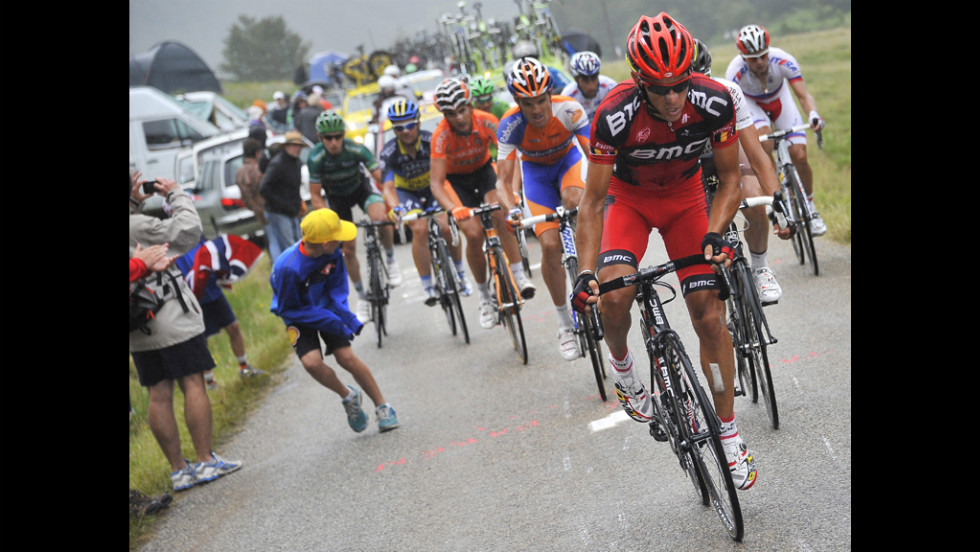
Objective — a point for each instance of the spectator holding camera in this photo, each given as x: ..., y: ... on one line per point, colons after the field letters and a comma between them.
x: 171, y: 347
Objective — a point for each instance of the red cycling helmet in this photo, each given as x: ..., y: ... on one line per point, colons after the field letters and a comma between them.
x: 659, y: 48
x: 752, y: 41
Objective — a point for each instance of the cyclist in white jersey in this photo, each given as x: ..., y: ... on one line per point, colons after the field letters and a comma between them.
x: 758, y: 180
x: 589, y: 87
x: 763, y: 73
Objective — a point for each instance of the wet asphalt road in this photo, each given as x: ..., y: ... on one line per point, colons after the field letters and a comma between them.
x: 495, y: 455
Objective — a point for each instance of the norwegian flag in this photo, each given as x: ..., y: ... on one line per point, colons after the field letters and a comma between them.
x: 228, y: 258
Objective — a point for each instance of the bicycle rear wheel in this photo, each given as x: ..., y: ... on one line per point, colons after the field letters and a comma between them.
x: 587, y: 341
x: 509, y: 303
x: 378, y: 294
x: 522, y: 246
x: 442, y: 286
x: 739, y: 327
x: 457, y: 304
x: 701, y: 436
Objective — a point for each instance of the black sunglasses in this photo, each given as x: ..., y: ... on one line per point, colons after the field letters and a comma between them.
x: 661, y: 90
x: 332, y: 137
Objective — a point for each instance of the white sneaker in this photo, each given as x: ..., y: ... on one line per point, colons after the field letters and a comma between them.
x: 364, y: 310
x: 394, y: 273
x: 817, y: 226
x: 488, y: 314
x: 568, y: 344
x: 765, y: 282
x: 525, y: 285
x: 741, y: 462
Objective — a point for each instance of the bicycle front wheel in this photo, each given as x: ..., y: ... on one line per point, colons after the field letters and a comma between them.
x: 701, y: 437
x: 756, y: 344
x: 508, y: 300
x: 453, y: 292
x: 377, y: 298
x: 803, y: 241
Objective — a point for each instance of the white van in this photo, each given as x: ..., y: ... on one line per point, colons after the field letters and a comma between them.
x: 159, y: 128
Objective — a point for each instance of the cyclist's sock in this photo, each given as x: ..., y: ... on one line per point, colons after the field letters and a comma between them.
x: 624, y: 366
x: 564, y: 317
x: 390, y: 254
x: 460, y: 268
x: 517, y: 269
x: 727, y: 427
x: 758, y: 260
x: 426, y: 281
x: 359, y: 288
x: 484, y: 289
x: 242, y: 359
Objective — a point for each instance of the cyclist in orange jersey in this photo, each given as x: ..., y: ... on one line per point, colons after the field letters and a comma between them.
x: 461, y: 154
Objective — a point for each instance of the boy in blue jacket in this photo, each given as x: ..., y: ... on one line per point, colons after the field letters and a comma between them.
x: 309, y: 293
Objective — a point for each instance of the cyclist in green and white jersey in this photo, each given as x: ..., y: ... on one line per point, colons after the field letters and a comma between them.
x: 337, y: 168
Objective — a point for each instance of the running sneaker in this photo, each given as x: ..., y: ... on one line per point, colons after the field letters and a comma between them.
x: 431, y: 296
x: 568, y: 344
x: 184, y: 479
x: 634, y: 399
x: 741, y: 462
x: 364, y: 310
x: 394, y: 273
x: 210, y: 381
x: 488, y: 314
x: 249, y: 371
x: 355, y: 415
x: 765, y: 282
x: 387, y: 420
x: 817, y: 226
x: 464, y: 285
x: 218, y: 466
x: 526, y: 287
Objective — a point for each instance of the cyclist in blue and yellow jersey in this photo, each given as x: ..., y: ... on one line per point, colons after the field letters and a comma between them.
x: 544, y: 129
x: 589, y: 87
x: 461, y: 154
x: 766, y: 76
x: 405, y: 176
x: 644, y: 172
x: 336, y: 167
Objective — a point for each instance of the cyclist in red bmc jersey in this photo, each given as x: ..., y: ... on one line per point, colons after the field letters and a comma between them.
x: 644, y: 173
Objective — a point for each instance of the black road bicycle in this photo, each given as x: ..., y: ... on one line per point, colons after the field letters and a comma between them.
x: 684, y: 415
x: 588, y: 344
x: 800, y: 212
x: 379, y: 289
x: 445, y: 278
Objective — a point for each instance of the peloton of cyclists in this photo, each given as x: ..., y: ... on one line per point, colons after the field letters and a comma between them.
x: 461, y: 154
x: 405, y: 172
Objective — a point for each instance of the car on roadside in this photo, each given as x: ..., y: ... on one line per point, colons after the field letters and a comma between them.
x: 358, y: 109
x: 423, y: 83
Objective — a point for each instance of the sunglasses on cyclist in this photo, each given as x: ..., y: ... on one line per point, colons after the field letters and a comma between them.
x: 332, y: 137
x: 483, y: 99
x: 662, y: 90
x: 404, y: 128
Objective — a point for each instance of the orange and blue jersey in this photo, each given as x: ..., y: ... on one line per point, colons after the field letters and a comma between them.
x: 465, y: 154
x: 543, y: 145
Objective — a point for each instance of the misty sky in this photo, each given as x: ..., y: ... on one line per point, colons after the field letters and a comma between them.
x: 202, y: 25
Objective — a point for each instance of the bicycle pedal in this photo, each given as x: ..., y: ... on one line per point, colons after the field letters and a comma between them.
x: 766, y: 304
x: 657, y: 432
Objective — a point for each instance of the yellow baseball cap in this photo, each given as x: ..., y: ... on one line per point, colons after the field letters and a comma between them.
x: 324, y: 225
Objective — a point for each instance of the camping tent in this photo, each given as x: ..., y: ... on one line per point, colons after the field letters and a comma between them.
x: 172, y: 68
x: 578, y: 41
x: 320, y: 66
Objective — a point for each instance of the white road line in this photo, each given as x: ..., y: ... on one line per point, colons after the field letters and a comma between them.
x: 609, y: 421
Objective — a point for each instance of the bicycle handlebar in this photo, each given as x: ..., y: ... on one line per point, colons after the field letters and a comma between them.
x: 799, y: 128
x: 367, y: 223
x: 431, y: 212
x: 560, y: 213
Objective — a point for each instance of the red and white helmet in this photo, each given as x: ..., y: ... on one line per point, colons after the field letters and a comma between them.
x: 658, y: 48
x: 752, y: 41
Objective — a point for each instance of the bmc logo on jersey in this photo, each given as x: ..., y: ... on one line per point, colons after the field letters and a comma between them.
x: 669, y: 152
x: 618, y: 120
x: 707, y: 103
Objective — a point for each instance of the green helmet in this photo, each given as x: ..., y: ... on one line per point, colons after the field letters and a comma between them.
x: 329, y: 121
x: 481, y: 87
